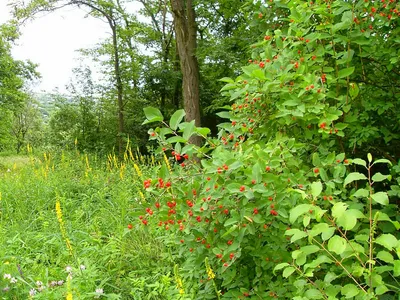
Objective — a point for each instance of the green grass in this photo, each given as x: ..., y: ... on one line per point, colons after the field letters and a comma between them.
x: 97, y: 203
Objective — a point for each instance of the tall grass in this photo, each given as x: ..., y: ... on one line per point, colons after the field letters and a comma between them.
x: 64, y: 217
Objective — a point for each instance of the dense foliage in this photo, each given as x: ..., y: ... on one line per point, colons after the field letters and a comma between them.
x: 294, y: 195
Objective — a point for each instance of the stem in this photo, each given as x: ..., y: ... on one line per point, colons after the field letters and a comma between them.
x: 371, y: 234
x: 310, y: 281
x: 340, y: 264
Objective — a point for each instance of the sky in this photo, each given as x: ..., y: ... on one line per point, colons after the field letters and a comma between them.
x: 52, y: 40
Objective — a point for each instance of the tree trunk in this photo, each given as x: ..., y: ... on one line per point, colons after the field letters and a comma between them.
x: 121, y: 125
x: 185, y: 32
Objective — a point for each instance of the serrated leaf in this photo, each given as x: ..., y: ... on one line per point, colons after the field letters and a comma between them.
x: 176, y: 118
x: 381, y: 198
x: 354, y: 176
x: 345, y: 72
x: 337, y: 244
x: 316, y: 188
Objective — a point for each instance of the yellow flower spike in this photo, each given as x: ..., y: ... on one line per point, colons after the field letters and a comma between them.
x: 138, y: 171
x: 62, y: 226
x: 179, y: 282
x: 142, y: 196
x: 167, y: 162
x: 69, y: 289
x: 131, y: 154
x: 210, y: 272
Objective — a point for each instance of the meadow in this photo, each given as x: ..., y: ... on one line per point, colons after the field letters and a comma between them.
x: 66, y: 229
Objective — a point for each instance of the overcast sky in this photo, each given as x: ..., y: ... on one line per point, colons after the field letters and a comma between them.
x: 51, y: 41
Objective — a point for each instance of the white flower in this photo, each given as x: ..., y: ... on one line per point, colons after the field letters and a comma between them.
x: 32, y: 292
x: 39, y: 283
x: 13, y: 280
x: 60, y: 282
x: 82, y: 267
x: 6, y: 289
x: 53, y: 283
x: 7, y: 276
x: 68, y: 269
x: 99, y: 292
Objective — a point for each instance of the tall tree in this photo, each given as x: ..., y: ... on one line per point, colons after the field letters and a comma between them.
x: 99, y: 8
x: 186, y: 40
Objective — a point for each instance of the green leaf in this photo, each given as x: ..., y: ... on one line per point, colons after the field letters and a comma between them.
x: 316, y: 188
x: 280, y: 266
x: 230, y: 222
x: 315, y: 159
x: 296, y: 234
x: 346, y: 72
x: 337, y: 244
x: 188, y: 130
x: 354, y: 176
x: 338, y: 209
x: 359, y: 162
x: 388, y: 241
x: 227, y: 79
x: 378, y: 177
x: 385, y: 256
x: 349, y: 291
x: 176, y: 139
x: 152, y: 115
x: 354, y: 90
x: 382, y: 161
x: 326, y: 235
x: 298, y: 210
x: 288, y: 271
x: 224, y: 114
x: 361, y: 193
x: 381, y: 289
x: 381, y: 198
x: 176, y: 118
x: 313, y: 294
x: 203, y: 131
x: 396, y: 268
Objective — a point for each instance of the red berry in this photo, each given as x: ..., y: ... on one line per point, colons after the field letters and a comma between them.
x: 242, y: 188
x: 267, y: 168
x: 230, y: 242
x: 273, y: 212
x: 182, y: 241
x: 130, y: 226
x: 316, y: 170
x: 186, y: 156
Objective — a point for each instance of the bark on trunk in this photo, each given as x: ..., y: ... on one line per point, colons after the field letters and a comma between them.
x: 185, y: 32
